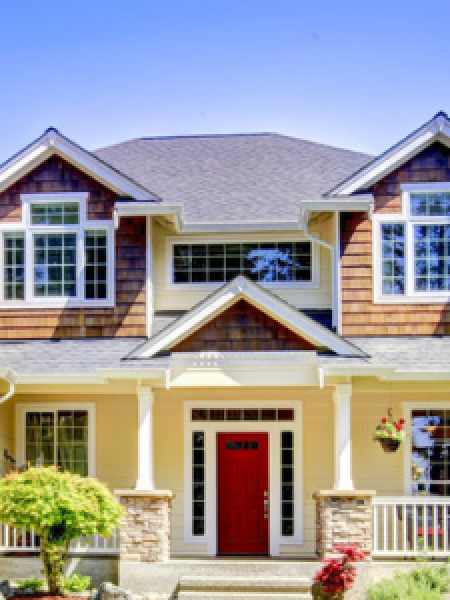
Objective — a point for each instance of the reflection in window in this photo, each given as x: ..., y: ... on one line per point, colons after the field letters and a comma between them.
x: 259, y: 261
x: 431, y: 258
x: 393, y: 258
x: 55, y: 264
x: 430, y: 439
x: 14, y: 266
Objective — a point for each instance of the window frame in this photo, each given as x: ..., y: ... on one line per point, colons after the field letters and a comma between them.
x: 405, y: 218
x: 20, y: 417
x: 172, y: 241
x: 84, y: 224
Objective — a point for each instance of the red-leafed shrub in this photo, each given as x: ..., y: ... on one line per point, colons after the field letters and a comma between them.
x: 338, y: 574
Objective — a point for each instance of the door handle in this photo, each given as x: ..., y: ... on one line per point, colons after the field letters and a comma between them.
x: 266, y: 504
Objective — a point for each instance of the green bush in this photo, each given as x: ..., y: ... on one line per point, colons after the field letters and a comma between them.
x: 59, y: 507
x: 77, y: 583
x: 30, y: 585
x: 425, y: 582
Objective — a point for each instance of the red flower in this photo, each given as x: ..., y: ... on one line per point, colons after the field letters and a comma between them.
x: 398, y: 427
x: 401, y: 421
x: 337, y: 574
x: 383, y: 420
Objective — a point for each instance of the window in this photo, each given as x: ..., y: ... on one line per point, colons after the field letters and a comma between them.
x: 267, y: 262
x: 198, y: 483
x: 56, y: 256
x: 430, y: 452
x: 287, y: 483
x: 412, y: 249
x: 61, y: 436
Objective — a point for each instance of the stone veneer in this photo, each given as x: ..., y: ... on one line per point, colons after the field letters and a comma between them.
x: 343, y: 517
x: 145, y: 527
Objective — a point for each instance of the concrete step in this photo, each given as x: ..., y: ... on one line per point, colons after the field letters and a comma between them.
x: 221, y: 587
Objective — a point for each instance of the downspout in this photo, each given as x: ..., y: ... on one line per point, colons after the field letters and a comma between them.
x: 12, y: 387
x: 304, y: 224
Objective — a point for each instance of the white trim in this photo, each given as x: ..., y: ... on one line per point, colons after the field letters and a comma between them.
x: 437, y: 128
x: 149, y: 288
x: 342, y: 397
x: 405, y: 218
x: 84, y: 224
x: 171, y: 241
x: 337, y: 305
x: 23, y: 407
x: 239, y: 288
x: 407, y: 455
x: 52, y: 142
x: 273, y: 429
x: 145, y: 397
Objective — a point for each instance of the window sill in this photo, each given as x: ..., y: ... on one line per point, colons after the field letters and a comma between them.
x: 57, y: 303
x: 422, y: 299
x: 271, y: 285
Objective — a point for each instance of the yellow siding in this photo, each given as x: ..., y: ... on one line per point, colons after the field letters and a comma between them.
x: 183, y: 299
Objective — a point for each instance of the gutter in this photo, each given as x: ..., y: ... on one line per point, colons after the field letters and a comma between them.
x: 12, y: 387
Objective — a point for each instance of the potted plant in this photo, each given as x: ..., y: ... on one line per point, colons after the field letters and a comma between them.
x: 390, y: 434
x: 337, y: 575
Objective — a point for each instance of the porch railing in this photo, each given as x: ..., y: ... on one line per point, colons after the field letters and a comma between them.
x: 409, y: 526
x: 20, y: 540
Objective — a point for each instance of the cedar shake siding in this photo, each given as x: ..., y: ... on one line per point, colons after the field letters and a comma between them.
x: 127, y: 317
x: 242, y: 327
x: 360, y: 316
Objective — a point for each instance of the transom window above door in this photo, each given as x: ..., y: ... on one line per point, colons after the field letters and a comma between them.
x: 56, y: 256
x: 267, y: 262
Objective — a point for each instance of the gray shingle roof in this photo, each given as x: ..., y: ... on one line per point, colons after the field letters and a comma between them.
x: 86, y: 356
x: 243, y: 177
x: 401, y: 353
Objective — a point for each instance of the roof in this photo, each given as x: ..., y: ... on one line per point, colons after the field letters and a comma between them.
x: 229, y: 178
x: 86, y: 356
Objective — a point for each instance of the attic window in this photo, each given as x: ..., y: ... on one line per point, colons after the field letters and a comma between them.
x: 265, y: 262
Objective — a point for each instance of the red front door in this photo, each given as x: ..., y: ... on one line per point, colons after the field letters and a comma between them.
x: 243, y: 488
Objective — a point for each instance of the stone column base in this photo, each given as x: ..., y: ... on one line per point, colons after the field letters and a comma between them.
x: 343, y: 517
x: 145, y: 527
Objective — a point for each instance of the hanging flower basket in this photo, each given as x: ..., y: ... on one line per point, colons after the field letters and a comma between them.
x: 390, y: 434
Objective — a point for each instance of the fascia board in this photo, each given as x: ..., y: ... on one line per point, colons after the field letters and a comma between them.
x: 243, y: 288
x: 134, y: 209
x: 354, y: 205
x: 398, y: 155
x: 147, y: 373
x: 53, y: 143
x: 231, y: 226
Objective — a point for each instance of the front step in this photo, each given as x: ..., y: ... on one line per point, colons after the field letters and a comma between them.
x: 251, y: 588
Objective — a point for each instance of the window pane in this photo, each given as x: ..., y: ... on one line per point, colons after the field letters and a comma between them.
x: 39, y: 435
x: 55, y: 264
x: 393, y: 258
x: 287, y: 483
x: 96, y: 264
x: 55, y: 213
x: 72, y: 441
x: 14, y: 266
x: 431, y: 258
x: 430, y: 204
x: 198, y: 483
x: 259, y: 261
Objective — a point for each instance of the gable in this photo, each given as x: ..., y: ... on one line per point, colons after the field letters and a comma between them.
x: 243, y: 327
x: 57, y: 175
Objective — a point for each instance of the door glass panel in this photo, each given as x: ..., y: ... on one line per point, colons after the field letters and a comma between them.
x: 198, y: 483
x: 287, y: 483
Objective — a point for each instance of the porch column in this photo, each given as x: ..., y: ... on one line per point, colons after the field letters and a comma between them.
x: 342, y: 438
x: 145, y: 439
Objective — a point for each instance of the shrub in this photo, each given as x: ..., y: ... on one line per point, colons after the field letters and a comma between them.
x: 59, y: 507
x: 30, y: 585
x: 338, y: 575
x: 425, y: 582
x: 77, y: 583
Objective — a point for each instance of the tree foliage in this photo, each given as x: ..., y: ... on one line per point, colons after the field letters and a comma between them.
x: 59, y: 507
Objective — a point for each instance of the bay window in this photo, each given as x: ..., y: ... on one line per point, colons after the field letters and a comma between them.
x: 412, y: 248
x: 56, y: 256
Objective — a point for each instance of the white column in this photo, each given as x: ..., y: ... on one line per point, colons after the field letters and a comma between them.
x: 149, y: 276
x: 342, y: 438
x: 145, y: 439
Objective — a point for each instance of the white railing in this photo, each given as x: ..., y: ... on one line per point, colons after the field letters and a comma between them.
x: 409, y: 526
x: 20, y: 540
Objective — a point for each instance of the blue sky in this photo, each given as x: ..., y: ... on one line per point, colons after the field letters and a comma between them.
x: 357, y: 74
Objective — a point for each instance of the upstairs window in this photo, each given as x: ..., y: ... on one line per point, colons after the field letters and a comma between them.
x: 272, y: 262
x: 412, y: 249
x: 56, y: 256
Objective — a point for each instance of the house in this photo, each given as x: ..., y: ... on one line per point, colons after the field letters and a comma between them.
x: 218, y: 323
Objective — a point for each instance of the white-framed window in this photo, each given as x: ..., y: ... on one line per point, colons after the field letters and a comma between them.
x: 412, y: 248
x: 427, y: 456
x: 277, y: 262
x: 56, y: 434
x: 55, y: 256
